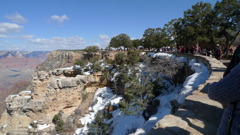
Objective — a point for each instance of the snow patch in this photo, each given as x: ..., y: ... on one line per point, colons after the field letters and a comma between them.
x: 40, y: 126
x: 163, y: 55
x: 193, y: 81
x: 87, y: 73
x: 102, y: 97
x: 44, y: 126
x: 125, y: 124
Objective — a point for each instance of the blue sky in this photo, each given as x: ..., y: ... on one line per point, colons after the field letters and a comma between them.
x: 74, y: 24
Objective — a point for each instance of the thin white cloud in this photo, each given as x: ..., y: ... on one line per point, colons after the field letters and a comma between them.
x: 16, y: 18
x: 75, y: 42
x: 105, y: 40
x: 6, y: 28
x: 59, y: 19
x: 22, y: 37
x: 16, y: 36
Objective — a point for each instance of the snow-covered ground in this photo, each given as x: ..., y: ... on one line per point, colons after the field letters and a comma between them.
x: 124, y: 124
x: 102, y: 97
x: 191, y: 83
x: 39, y: 126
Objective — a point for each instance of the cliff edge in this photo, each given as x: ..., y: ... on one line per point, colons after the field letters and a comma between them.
x: 199, y: 115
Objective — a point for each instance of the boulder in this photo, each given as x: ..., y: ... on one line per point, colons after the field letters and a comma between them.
x: 60, y: 83
x: 63, y: 71
x: 82, y: 78
x: 16, y: 102
x: 42, y: 75
x: 57, y: 72
x: 54, y: 84
x: 69, y: 72
x: 34, y: 105
x: 91, y: 79
x: 68, y: 83
x: 25, y: 93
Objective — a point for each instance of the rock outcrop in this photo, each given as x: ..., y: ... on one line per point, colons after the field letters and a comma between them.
x: 50, y: 92
x: 60, y: 59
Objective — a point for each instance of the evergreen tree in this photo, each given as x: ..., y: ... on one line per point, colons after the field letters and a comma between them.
x: 228, y: 18
x: 121, y: 40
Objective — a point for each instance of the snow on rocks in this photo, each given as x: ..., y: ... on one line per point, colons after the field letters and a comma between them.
x: 39, y: 125
x: 163, y: 55
x: 125, y: 124
x: 102, y: 97
x: 191, y: 83
x: 167, y: 55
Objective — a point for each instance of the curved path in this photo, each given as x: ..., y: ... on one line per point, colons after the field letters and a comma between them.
x: 199, y: 115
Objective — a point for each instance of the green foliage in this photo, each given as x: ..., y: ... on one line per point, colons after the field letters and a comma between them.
x: 106, y: 74
x: 96, y: 67
x: 195, y: 22
x: 90, y: 51
x: 205, y: 24
x: 136, y: 95
x: 121, y: 79
x: 33, y: 124
x: 120, y: 59
x: 81, y: 63
x: 136, y: 43
x: 98, y: 127
x: 121, y: 40
x: 133, y: 57
x: 57, y: 120
x: 59, y: 126
x: 130, y: 59
x: 158, y: 87
x: 156, y: 38
x: 94, y: 59
x: 227, y: 13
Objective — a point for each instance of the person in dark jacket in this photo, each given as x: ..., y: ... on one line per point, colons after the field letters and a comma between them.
x: 227, y: 92
x: 234, y: 61
x: 218, y: 52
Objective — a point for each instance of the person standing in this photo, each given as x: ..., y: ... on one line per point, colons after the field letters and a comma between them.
x: 234, y: 61
x: 218, y: 52
x: 227, y: 92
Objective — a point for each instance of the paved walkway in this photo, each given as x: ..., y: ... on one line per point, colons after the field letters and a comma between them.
x: 198, y: 115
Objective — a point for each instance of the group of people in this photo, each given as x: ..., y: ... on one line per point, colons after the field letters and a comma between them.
x: 218, y: 53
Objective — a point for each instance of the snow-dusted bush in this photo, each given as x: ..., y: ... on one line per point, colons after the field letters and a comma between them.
x: 98, y: 127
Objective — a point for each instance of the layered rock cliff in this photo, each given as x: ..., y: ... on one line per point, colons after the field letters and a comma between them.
x: 49, y: 93
x: 60, y: 59
x: 54, y: 89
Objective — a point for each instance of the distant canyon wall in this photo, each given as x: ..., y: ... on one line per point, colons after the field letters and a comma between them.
x: 16, y: 71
